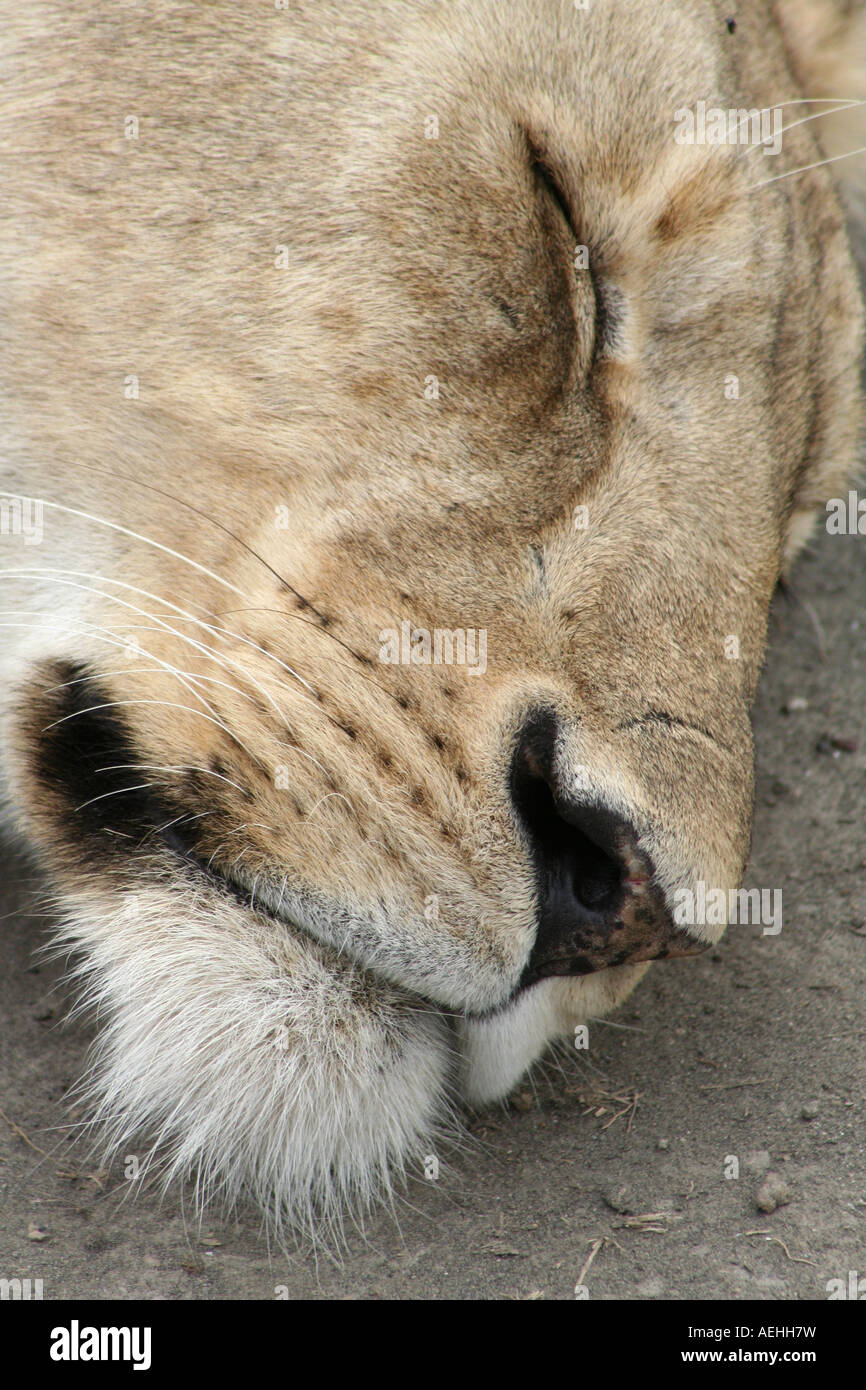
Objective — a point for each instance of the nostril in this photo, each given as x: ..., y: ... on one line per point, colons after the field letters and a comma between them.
x: 597, y: 887
x: 598, y: 902
x: 576, y: 845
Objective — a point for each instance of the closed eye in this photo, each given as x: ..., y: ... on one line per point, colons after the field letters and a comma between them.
x: 545, y: 176
x: 551, y: 186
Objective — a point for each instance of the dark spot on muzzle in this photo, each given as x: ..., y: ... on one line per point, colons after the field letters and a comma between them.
x: 599, y: 905
x: 84, y: 760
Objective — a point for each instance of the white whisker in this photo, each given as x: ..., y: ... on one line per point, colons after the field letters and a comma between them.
x: 189, y: 617
x: 165, y: 704
x: 105, y: 635
x: 252, y: 824
x: 169, y: 767
x: 847, y: 104
x: 804, y: 169
x: 135, y: 535
x: 165, y: 667
x: 119, y: 791
x: 186, y: 819
x: 322, y: 801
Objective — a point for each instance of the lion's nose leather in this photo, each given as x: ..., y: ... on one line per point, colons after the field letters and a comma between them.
x: 598, y: 903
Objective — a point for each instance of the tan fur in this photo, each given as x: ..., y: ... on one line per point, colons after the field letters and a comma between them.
x: 301, y: 387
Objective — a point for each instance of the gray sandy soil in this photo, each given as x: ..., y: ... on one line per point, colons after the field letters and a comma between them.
x: 755, y: 1051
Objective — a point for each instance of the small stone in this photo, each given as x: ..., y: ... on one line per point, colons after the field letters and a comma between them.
x: 794, y: 705
x: 663, y: 1145
x: 810, y: 1110
x: 522, y: 1102
x: 621, y: 1199
x: 845, y: 745
x: 773, y: 1192
x: 36, y: 1232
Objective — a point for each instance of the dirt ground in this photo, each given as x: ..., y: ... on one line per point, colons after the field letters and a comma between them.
x: 754, y: 1052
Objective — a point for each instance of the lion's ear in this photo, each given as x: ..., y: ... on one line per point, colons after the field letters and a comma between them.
x: 826, y: 42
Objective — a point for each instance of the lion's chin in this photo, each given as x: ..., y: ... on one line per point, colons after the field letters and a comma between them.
x: 498, y: 1049
x: 271, y: 1067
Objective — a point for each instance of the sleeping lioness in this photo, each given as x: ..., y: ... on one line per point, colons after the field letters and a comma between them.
x: 408, y: 411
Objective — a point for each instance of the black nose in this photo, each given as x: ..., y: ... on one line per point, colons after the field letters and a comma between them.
x: 599, y: 904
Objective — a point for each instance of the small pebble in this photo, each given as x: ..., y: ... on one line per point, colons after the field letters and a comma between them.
x: 795, y: 704
x: 621, y: 1199
x: 845, y: 745
x: 773, y: 1192
x: 35, y: 1232
x: 663, y: 1144
x: 810, y: 1110
x: 522, y: 1102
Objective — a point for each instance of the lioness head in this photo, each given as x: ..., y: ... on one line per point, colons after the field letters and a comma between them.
x: 417, y: 406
